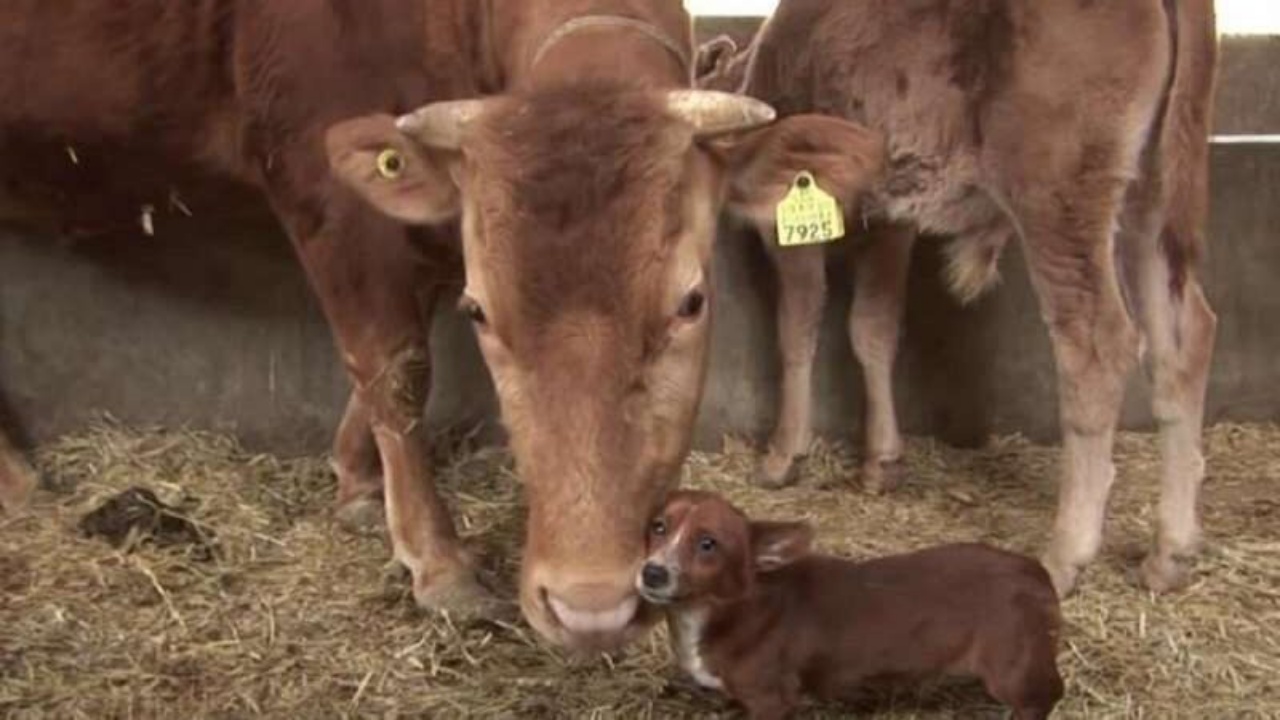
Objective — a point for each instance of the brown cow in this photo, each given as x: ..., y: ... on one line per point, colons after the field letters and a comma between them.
x: 588, y: 188
x: 1081, y: 129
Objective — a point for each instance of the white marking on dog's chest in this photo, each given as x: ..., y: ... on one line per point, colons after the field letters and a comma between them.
x: 686, y: 638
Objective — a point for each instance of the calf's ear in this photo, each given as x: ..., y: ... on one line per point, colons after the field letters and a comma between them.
x: 845, y: 158
x: 714, y: 55
x: 395, y: 174
x: 775, y: 545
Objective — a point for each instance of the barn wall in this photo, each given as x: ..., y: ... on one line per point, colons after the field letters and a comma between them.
x: 1249, y: 86
x: 211, y: 325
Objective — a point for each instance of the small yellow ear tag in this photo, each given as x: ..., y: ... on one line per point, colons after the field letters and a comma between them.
x: 808, y: 215
x: 390, y: 164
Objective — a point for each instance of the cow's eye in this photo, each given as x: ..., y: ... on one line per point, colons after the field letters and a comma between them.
x: 692, y: 305
x: 473, y: 311
x: 658, y: 527
x: 707, y: 544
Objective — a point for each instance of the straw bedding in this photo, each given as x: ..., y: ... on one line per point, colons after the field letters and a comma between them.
x: 260, y: 606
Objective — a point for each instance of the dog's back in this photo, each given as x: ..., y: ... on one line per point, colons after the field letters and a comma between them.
x: 969, y: 610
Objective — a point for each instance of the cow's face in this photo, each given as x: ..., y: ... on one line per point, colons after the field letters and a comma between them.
x: 588, y: 221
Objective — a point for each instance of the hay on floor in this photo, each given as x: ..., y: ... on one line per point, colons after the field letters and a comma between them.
x: 293, y: 618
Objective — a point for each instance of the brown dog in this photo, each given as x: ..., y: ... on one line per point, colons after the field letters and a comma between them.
x: 752, y: 613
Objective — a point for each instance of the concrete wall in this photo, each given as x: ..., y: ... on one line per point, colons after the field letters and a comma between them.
x: 211, y: 325
x: 1249, y: 86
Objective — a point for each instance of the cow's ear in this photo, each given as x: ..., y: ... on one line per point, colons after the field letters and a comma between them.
x: 395, y: 174
x: 845, y: 159
x: 775, y: 545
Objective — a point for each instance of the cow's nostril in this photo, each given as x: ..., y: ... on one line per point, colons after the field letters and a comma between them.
x: 654, y: 576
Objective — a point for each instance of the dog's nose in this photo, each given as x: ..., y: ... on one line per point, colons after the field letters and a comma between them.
x: 654, y: 576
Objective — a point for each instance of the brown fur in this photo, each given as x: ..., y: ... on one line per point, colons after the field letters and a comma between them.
x: 1079, y: 128
x: 766, y: 620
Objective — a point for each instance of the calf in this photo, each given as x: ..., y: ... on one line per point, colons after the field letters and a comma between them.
x: 1080, y: 129
x: 752, y: 613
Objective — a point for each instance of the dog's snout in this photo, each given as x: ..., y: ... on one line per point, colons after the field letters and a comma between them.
x: 655, y: 576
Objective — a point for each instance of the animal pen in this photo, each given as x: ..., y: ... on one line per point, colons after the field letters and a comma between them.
x: 214, y: 386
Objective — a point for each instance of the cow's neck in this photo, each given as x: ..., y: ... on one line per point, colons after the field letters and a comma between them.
x: 535, y: 50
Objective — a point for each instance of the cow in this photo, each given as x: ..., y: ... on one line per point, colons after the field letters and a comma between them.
x: 1079, y: 128
x: 555, y: 146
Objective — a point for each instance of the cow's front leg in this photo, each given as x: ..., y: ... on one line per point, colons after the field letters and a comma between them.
x: 875, y: 322
x: 423, y: 538
x: 356, y: 462
x: 17, y: 478
x: 371, y: 280
x: 801, y: 294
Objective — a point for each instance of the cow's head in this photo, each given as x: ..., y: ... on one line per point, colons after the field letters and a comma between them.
x: 588, y: 218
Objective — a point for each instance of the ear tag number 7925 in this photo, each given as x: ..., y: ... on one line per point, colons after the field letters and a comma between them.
x: 808, y: 215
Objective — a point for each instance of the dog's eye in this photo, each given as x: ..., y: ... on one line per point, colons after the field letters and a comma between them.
x: 706, y: 544
x: 658, y: 527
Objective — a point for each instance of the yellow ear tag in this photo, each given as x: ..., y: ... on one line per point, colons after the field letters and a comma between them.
x: 390, y: 164
x: 808, y: 215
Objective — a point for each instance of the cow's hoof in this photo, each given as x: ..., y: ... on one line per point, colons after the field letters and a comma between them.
x: 462, y: 597
x: 18, y: 483
x: 364, y: 516
x: 1165, y: 574
x: 1063, y: 575
x: 880, y: 477
x: 776, y: 471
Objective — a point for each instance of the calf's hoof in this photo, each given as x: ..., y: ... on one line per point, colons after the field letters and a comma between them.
x: 364, y: 515
x: 462, y: 597
x: 1064, y: 575
x: 1165, y: 573
x: 777, y: 471
x: 882, y: 476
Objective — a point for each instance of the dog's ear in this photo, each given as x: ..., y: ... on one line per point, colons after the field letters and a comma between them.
x: 775, y: 545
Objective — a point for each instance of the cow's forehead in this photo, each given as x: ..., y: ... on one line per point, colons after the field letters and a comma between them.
x: 581, y: 197
x: 575, y: 154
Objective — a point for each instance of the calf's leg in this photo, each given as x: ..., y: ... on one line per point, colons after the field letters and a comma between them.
x: 802, y: 293
x: 1180, y: 328
x: 1068, y: 233
x: 17, y: 478
x: 875, y: 321
x: 1165, y: 219
x: 1180, y: 376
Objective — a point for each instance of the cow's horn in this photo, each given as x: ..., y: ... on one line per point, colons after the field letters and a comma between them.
x: 440, y: 125
x: 715, y: 113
